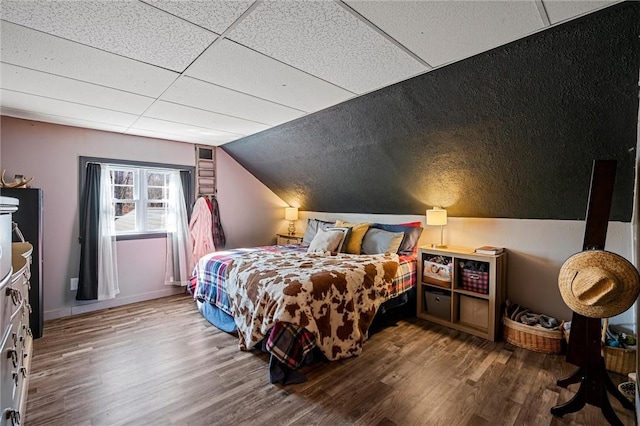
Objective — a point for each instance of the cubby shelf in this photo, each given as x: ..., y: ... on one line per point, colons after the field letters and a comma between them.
x: 446, y: 302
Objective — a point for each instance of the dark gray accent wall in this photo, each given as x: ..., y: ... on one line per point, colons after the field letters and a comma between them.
x: 509, y: 133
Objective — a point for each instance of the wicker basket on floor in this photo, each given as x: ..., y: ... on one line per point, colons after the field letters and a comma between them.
x: 619, y: 360
x: 536, y: 339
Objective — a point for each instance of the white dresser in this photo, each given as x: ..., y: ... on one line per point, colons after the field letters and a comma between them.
x: 16, y: 340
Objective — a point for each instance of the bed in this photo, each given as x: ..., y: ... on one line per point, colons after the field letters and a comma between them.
x: 295, y: 304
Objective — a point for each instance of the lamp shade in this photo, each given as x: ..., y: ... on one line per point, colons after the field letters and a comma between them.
x: 436, y: 216
x: 291, y: 213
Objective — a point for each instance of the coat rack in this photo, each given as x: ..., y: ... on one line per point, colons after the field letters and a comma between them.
x: 585, y: 348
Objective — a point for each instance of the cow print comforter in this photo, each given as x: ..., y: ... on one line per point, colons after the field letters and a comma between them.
x: 333, y: 296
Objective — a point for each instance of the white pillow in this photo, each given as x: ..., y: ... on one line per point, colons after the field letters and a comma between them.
x: 325, y: 241
x: 377, y: 241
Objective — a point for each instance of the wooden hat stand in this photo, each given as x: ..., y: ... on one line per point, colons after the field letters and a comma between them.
x: 584, y: 349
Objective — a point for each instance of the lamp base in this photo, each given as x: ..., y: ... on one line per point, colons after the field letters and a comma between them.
x: 292, y: 228
x: 434, y: 245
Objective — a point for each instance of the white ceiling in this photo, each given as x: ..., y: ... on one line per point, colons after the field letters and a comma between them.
x: 211, y: 72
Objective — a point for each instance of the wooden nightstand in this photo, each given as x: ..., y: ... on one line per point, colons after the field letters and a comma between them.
x: 289, y: 239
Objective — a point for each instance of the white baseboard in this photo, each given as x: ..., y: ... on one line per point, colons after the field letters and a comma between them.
x: 90, y: 306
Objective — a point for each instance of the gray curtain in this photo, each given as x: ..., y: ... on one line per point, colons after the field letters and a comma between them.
x: 89, y: 226
x: 187, y: 190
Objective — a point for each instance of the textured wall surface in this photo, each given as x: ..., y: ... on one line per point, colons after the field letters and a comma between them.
x: 509, y: 133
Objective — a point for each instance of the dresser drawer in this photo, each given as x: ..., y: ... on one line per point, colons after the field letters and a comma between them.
x: 12, y: 303
x: 15, y: 295
x: 10, y: 364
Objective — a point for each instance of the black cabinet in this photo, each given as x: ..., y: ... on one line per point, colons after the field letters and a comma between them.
x: 29, y: 220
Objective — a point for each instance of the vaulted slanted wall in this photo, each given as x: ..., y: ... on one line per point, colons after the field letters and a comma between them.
x: 509, y: 133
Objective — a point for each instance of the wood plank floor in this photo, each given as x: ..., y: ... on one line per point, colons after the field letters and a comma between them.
x: 161, y: 363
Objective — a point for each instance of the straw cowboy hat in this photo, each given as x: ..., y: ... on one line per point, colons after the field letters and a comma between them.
x: 598, y: 283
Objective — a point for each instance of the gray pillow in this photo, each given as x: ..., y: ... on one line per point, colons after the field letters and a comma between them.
x: 312, y: 229
x: 378, y: 241
x: 346, y: 230
x: 411, y: 236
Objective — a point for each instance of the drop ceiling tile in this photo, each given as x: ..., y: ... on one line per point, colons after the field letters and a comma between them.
x: 41, y: 105
x: 444, y: 31
x: 129, y: 28
x: 25, y: 80
x: 234, y: 66
x: 199, y: 94
x: 216, y: 15
x: 32, y: 49
x: 56, y: 119
x: 325, y: 40
x: 183, y: 130
x: 198, y: 117
x: 559, y: 10
x: 172, y: 137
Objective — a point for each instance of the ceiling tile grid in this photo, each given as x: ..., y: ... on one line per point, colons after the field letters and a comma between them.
x: 216, y: 15
x: 559, y: 11
x: 239, y: 68
x: 190, y: 132
x: 215, y: 71
x: 56, y: 119
x: 191, y: 92
x: 440, y: 32
x: 325, y: 40
x: 25, y: 80
x: 183, y: 114
x: 39, y: 51
x: 182, y: 137
x: 42, y: 105
x: 128, y: 28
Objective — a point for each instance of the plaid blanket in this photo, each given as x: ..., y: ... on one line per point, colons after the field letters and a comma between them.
x: 209, y: 276
x: 286, y: 342
x: 290, y: 343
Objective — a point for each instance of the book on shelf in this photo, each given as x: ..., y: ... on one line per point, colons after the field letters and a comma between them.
x: 489, y: 250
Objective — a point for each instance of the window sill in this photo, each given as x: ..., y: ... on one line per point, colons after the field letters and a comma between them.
x: 127, y: 237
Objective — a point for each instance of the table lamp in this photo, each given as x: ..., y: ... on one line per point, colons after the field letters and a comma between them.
x: 437, y: 216
x: 291, y: 214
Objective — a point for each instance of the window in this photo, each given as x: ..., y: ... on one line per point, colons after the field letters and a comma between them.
x: 140, y: 194
x: 140, y: 199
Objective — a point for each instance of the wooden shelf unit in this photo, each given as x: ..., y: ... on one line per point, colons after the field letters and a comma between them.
x: 205, y: 171
x: 486, y: 308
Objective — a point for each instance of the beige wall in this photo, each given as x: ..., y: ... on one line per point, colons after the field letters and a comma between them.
x: 536, y: 251
x: 251, y: 213
x: 49, y: 153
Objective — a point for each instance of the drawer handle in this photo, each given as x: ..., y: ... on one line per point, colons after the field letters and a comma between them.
x: 12, y: 354
x: 23, y: 371
x: 14, y: 336
x: 16, y: 295
x: 16, y: 378
x: 13, y: 415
